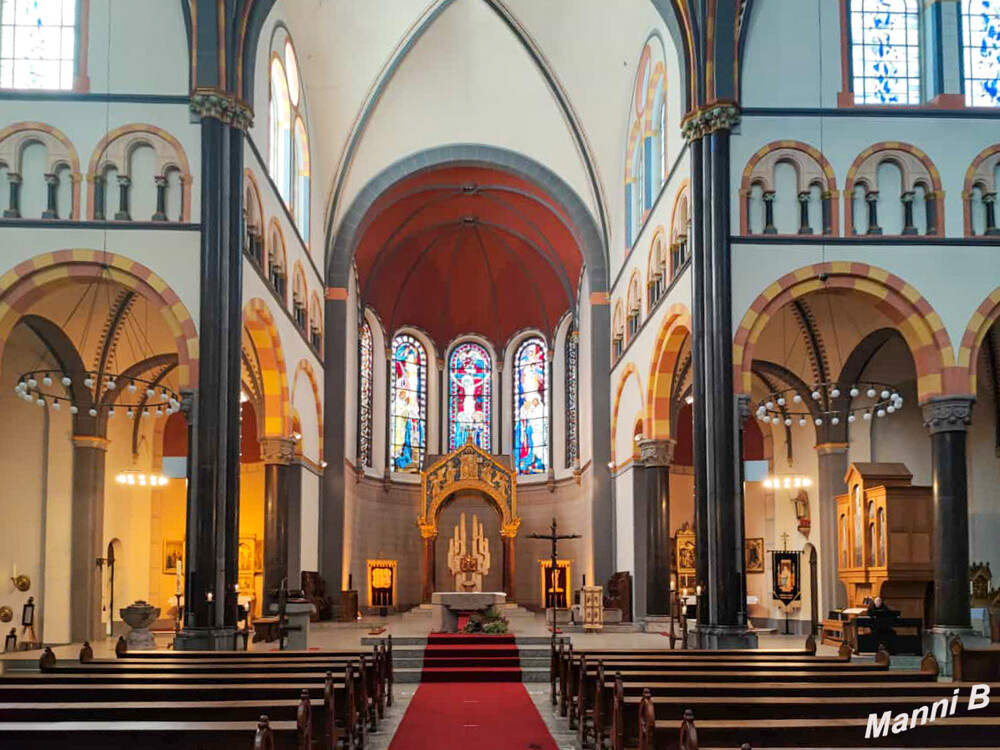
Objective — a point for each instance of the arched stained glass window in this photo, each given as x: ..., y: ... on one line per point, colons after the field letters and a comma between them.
x: 37, y: 44
x: 981, y: 52
x: 572, y: 398
x: 366, y: 373
x: 408, y: 421
x: 885, y: 51
x: 288, y: 155
x: 470, y: 371
x: 531, y: 418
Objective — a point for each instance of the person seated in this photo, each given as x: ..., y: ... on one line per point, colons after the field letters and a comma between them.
x: 878, y: 607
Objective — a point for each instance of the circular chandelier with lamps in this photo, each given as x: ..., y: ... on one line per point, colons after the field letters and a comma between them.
x: 140, y: 397
x: 867, y: 399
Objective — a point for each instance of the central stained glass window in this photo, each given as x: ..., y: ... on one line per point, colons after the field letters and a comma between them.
x: 470, y: 371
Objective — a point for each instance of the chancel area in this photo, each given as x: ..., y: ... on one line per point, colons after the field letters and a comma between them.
x: 502, y: 373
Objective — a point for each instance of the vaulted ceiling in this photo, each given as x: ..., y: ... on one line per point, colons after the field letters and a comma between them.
x: 468, y: 249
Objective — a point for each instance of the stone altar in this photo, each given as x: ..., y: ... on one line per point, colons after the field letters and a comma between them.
x: 446, y: 605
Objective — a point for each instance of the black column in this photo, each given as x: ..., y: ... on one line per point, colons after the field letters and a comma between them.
x: 277, y: 454
x: 52, y: 192
x: 947, y: 419
x: 213, y: 466
x: 13, y: 210
x: 331, y: 509
x: 655, y: 457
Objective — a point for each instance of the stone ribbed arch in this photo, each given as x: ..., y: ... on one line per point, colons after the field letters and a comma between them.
x: 986, y: 314
x: 307, y: 369
x: 674, y: 329
x: 32, y: 279
x: 629, y: 372
x: 918, y: 323
x: 259, y: 323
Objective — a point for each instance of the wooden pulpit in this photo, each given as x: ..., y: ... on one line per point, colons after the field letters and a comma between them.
x: 885, y: 539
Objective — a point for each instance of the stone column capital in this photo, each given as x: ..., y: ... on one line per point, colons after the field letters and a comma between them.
x: 656, y: 452
x: 95, y: 442
x: 826, y: 449
x: 277, y: 450
x: 14, y: 178
x: 948, y: 414
x: 743, y: 411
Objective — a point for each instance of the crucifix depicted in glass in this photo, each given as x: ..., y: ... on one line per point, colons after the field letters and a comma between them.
x: 469, y: 392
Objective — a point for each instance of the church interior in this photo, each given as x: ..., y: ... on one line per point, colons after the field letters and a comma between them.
x: 374, y: 373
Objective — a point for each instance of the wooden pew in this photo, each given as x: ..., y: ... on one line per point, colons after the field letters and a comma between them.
x: 973, y: 665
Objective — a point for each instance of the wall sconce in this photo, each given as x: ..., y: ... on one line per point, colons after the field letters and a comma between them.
x: 10, y: 642
x: 6, y: 614
x: 209, y: 597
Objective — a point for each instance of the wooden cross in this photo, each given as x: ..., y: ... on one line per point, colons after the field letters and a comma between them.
x: 784, y: 539
x: 555, y: 537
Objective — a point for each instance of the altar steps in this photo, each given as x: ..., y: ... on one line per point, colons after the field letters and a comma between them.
x: 471, y: 658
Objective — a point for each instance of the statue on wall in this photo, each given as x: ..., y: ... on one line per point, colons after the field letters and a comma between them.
x: 801, y: 503
x: 469, y: 560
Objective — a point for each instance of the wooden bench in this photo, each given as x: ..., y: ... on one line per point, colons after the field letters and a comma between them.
x: 973, y: 665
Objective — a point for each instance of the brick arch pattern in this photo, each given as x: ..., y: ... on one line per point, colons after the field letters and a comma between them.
x: 985, y: 316
x: 630, y: 371
x: 913, y: 316
x: 250, y: 181
x: 116, y: 148
x: 674, y: 329
x: 260, y: 325
x: 979, y: 174
x: 811, y: 166
x: 15, y: 138
x: 657, y: 263
x: 916, y: 167
x: 305, y: 367
x: 277, y: 248
x: 27, y: 282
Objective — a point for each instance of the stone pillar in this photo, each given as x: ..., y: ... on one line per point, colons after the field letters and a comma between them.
x: 428, y: 580
x: 722, y: 621
x: 941, y: 70
x: 211, y: 567
x: 908, y: 226
x: 832, y: 463
x: 52, y: 192
x: 989, y: 205
x: 804, y: 227
x: 277, y: 454
x: 13, y: 210
x: 333, y: 527
x: 124, y: 187
x: 161, y: 198
x: 509, y: 580
x: 294, y: 484
x: 87, y: 545
x: 655, y: 457
x: 768, y: 198
x: 947, y: 419
x: 871, y: 198
x: 100, y: 197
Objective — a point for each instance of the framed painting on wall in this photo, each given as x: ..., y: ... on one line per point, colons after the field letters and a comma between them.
x: 246, y: 554
x: 173, y: 553
x: 258, y: 556
x: 755, y: 555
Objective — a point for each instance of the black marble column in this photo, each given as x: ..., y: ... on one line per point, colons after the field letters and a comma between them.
x: 332, y: 494
x: 655, y: 457
x: 52, y: 193
x: 13, y: 210
x: 277, y: 454
x: 124, y: 191
x: 947, y: 419
x: 214, y: 410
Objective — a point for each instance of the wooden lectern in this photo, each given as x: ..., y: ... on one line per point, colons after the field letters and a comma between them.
x: 885, y: 539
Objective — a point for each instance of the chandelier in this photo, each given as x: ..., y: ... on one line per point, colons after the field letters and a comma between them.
x: 831, y: 402
x: 136, y: 478
x: 103, y: 391
x: 788, y: 482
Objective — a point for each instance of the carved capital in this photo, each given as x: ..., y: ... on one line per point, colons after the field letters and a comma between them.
x: 743, y: 410
x: 707, y: 120
x: 948, y: 414
x: 656, y: 452
x: 277, y: 450
x: 222, y: 106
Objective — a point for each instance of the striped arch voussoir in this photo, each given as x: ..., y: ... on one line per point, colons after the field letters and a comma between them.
x: 676, y: 326
x: 307, y: 368
x: 29, y: 281
x: 982, y: 320
x: 629, y: 371
x: 260, y: 324
x: 916, y: 320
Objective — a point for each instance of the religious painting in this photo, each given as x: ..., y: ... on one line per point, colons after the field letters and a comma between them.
x: 787, y: 586
x: 173, y: 554
x: 258, y: 556
x: 246, y: 553
x: 686, y: 560
x: 755, y: 555
x: 555, y: 586
x: 531, y: 421
x: 409, y: 404
x: 381, y: 583
x: 246, y: 585
x: 470, y: 371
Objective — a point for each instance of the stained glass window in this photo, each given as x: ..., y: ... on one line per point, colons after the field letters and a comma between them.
x: 408, y: 421
x: 531, y: 420
x: 981, y: 48
x: 572, y: 396
x: 37, y: 44
x: 366, y: 363
x: 469, y: 396
x: 885, y: 51
x: 288, y: 154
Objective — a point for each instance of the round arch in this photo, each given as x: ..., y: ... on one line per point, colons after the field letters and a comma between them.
x: 307, y: 369
x: 982, y: 320
x: 259, y: 322
x: 630, y: 372
x: 918, y: 323
x: 21, y: 286
x: 676, y: 327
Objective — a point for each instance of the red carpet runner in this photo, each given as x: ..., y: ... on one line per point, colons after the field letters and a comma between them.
x: 476, y: 700
x: 477, y: 716
x: 471, y: 658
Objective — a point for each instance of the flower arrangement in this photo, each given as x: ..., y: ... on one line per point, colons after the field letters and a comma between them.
x: 488, y: 622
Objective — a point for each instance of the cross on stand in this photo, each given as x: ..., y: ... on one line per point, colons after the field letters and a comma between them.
x: 554, y: 537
